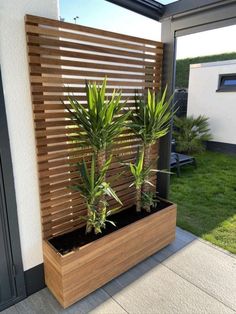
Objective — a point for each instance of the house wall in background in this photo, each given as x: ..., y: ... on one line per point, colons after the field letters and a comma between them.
x: 14, y: 67
x: 203, y: 99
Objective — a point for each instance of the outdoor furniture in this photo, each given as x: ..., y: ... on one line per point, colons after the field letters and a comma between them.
x: 179, y: 160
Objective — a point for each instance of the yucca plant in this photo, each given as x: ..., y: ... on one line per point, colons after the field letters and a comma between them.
x: 191, y: 133
x: 150, y: 121
x: 99, y: 121
x: 93, y: 186
x: 141, y: 176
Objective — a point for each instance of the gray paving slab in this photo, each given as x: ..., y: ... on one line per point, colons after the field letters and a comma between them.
x: 206, y: 267
x: 11, y: 310
x: 188, y: 276
x: 44, y: 303
x: 180, y: 242
x: 185, y: 235
x: 159, y: 290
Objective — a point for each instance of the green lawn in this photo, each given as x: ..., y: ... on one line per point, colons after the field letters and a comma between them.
x: 206, y: 199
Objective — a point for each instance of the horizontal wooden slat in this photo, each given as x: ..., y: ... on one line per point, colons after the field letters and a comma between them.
x: 74, y: 81
x: 126, y: 153
x: 83, y: 151
x: 72, y: 175
x: 74, y: 89
x: 87, y: 56
x: 89, y: 30
x: 46, y: 166
x: 76, y: 224
x: 69, y: 145
x: 85, y: 38
x: 63, y: 139
x: 62, y: 57
x: 58, y: 174
x: 80, y: 73
x: 92, y: 65
x: 54, y: 107
x: 58, y: 194
x: 101, y: 49
x: 61, y: 131
x: 53, y: 118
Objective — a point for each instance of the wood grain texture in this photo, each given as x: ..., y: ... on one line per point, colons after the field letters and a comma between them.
x: 62, y: 57
x: 32, y: 19
x: 72, y: 276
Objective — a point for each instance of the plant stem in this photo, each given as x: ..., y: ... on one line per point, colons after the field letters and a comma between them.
x: 88, y: 228
x: 101, y: 159
x: 146, y: 165
x: 138, y: 199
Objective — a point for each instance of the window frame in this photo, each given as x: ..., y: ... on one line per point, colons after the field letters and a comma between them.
x: 226, y: 88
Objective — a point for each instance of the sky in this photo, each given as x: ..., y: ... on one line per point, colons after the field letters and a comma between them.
x: 107, y: 16
x: 216, y: 41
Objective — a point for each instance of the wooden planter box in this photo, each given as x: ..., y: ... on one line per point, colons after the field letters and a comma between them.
x: 72, y: 276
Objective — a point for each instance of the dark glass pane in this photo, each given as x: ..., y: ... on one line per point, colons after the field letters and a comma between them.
x: 230, y: 82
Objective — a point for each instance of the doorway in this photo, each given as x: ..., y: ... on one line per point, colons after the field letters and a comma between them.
x: 12, y: 285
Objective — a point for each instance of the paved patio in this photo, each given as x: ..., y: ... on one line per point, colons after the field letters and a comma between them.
x: 188, y: 276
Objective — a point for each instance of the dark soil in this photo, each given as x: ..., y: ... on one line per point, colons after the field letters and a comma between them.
x: 77, y: 238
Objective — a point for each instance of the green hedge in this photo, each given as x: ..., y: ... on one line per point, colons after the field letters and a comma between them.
x: 182, y: 66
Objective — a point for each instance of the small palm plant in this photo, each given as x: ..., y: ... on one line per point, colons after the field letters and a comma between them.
x: 191, y: 133
x: 150, y: 121
x: 94, y: 186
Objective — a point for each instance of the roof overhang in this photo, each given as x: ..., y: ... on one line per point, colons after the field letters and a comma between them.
x: 185, y: 7
x: 148, y: 8
x: 157, y: 11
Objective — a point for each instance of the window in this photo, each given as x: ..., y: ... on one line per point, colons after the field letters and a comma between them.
x: 227, y: 83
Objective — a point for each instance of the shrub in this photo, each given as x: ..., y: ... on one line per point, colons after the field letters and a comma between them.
x: 182, y: 66
x: 191, y: 133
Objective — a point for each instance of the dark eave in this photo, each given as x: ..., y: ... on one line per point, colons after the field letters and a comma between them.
x: 188, y: 6
x: 148, y: 8
x: 157, y: 11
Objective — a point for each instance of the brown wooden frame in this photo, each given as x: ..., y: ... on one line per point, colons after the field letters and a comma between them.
x: 62, y: 57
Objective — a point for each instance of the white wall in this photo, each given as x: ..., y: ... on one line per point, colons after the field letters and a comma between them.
x: 203, y: 99
x: 14, y: 67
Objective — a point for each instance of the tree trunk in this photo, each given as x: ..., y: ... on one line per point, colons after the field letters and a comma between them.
x: 138, y: 199
x: 89, y: 226
x: 146, y: 165
x: 101, y: 159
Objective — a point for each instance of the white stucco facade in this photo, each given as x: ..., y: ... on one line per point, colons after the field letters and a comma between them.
x: 14, y: 68
x: 203, y: 99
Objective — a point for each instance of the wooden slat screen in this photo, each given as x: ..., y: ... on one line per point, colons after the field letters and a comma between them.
x: 62, y: 57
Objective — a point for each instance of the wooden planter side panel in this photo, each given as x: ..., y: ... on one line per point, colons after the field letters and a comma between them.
x: 87, y: 269
x: 62, y: 56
